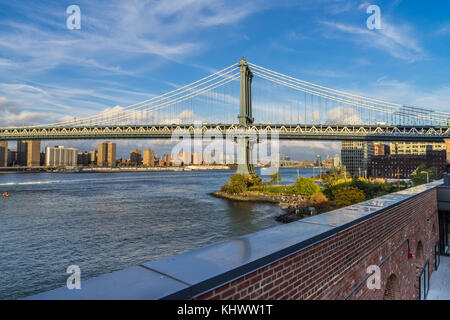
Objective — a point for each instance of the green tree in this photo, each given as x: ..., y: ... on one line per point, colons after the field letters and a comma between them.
x: 422, y: 174
x: 319, y: 201
x: 239, y: 183
x: 236, y: 184
x: 275, y: 178
x: 306, y: 186
x: 348, y: 196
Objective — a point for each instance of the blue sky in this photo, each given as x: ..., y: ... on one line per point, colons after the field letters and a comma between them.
x: 129, y: 51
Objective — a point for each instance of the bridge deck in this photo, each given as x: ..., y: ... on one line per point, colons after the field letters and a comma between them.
x: 289, y: 132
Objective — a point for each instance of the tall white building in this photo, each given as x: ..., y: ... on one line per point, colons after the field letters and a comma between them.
x: 337, y: 161
x: 60, y: 156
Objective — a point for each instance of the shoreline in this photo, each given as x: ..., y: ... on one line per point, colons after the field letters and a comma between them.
x: 25, y: 170
x: 293, y: 205
x: 252, y: 197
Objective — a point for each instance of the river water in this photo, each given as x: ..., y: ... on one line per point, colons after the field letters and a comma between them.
x: 105, y: 222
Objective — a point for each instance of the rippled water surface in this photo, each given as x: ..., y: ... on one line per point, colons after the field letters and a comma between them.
x: 106, y: 222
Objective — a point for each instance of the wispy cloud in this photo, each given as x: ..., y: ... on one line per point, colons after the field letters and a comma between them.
x: 444, y: 30
x: 399, y: 41
x: 165, y: 29
x: 118, y: 39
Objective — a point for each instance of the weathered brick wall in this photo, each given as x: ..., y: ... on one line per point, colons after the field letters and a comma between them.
x: 333, y: 268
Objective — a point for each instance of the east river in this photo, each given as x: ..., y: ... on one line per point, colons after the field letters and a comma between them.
x: 105, y: 222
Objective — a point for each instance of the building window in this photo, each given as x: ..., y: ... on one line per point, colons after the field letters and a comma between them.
x: 392, y: 291
x: 424, y: 282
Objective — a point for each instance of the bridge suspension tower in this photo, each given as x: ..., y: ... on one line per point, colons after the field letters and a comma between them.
x: 244, y: 144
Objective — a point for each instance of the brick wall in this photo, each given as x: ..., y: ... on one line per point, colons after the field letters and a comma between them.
x: 336, y: 266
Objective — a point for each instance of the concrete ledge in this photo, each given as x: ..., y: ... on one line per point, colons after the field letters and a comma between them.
x: 193, y: 273
x: 135, y: 283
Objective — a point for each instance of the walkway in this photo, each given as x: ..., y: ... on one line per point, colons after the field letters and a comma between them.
x: 440, y: 281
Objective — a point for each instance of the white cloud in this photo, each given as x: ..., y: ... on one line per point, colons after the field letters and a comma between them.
x: 186, y: 116
x: 408, y: 93
x: 112, y: 35
x: 399, y: 41
x: 363, y: 5
x: 109, y: 32
x: 23, y: 118
x: 7, y: 105
x: 444, y: 30
x: 341, y: 115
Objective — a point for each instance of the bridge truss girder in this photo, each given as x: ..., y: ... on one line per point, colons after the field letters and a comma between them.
x: 284, y: 132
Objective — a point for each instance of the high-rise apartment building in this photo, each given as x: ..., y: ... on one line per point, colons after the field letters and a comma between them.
x: 22, y: 153
x: 29, y: 153
x: 197, y: 158
x: 83, y: 158
x: 168, y: 160
x: 447, y: 142
x: 337, y: 161
x: 207, y: 159
x: 185, y: 158
x: 102, y: 154
x: 106, y: 155
x: 34, y: 153
x: 149, y: 158
x: 60, y: 156
x: 3, y: 153
x: 135, y: 157
x: 356, y: 157
x: 12, y: 158
x: 111, y: 154
x: 93, y: 156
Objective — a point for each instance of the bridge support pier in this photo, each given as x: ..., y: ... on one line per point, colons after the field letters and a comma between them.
x: 244, y: 150
x: 244, y: 157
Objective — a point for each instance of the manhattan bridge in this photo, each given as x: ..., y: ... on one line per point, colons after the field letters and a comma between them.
x: 246, y: 97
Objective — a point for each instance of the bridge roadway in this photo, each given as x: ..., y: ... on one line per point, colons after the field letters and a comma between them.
x: 285, y: 132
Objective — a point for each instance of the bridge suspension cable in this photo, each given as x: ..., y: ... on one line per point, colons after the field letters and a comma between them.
x: 185, y: 97
x: 169, y: 98
x: 339, y: 99
x: 348, y: 98
x: 159, y: 105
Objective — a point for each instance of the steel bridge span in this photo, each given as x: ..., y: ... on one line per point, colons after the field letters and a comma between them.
x: 284, y: 132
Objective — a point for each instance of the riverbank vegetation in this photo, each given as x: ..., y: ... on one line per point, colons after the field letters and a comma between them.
x: 316, y: 195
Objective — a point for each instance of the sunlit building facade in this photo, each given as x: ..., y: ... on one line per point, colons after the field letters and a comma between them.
x: 61, y: 156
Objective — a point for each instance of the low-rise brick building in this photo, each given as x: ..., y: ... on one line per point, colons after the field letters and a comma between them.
x: 402, y: 165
